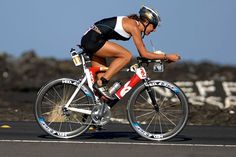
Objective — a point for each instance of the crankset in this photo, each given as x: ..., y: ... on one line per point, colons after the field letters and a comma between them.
x: 101, y: 114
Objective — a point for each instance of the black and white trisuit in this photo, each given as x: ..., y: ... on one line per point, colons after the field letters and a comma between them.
x: 102, y: 31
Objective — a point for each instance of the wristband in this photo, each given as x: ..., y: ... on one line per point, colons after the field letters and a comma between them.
x: 158, y: 52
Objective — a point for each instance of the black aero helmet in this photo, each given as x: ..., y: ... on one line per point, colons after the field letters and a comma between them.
x: 150, y: 15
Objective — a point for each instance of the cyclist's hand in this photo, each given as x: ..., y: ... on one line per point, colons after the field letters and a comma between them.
x: 173, y: 57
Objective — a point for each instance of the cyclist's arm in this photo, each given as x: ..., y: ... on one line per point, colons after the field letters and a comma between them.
x: 132, y: 28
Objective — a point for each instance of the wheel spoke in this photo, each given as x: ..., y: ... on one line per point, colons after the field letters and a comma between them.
x: 140, y: 103
x: 60, y: 126
x: 169, y: 106
x: 150, y: 122
x: 50, y: 100
x: 143, y: 110
x: 145, y: 114
x: 145, y: 98
x: 48, y: 105
x: 168, y: 118
x: 77, y: 120
x: 57, y: 93
x: 163, y: 125
x: 159, y: 118
x: 64, y: 93
x: 69, y: 122
x: 79, y: 98
x: 53, y: 120
x: 162, y: 102
x: 155, y: 123
x: 171, y: 115
x: 46, y: 113
x: 148, y: 117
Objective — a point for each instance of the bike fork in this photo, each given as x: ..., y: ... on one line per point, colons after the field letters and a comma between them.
x: 152, y: 97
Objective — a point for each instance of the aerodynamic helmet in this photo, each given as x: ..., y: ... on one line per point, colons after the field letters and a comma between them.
x: 150, y: 15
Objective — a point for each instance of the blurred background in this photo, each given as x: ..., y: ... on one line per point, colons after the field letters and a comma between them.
x: 36, y: 36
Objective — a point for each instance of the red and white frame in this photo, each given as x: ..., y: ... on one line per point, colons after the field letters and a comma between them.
x: 140, y: 74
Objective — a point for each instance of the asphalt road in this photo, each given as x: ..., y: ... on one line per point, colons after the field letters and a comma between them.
x: 26, y: 139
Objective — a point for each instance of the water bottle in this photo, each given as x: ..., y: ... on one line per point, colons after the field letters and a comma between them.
x: 75, y: 57
x: 114, y: 88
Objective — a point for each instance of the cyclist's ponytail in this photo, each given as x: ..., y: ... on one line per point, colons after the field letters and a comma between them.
x: 137, y: 18
x: 134, y: 17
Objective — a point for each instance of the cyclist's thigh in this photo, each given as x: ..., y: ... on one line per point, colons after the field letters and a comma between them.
x: 111, y: 49
x: 98, y: 61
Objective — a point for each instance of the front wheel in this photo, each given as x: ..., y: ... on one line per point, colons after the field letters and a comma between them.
x: 162, y: 121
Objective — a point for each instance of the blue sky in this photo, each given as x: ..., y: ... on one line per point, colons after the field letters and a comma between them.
x: 196, y: 29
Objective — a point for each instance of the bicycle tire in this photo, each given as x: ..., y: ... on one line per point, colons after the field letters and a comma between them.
x: 49, y: 104
x: 163, y: 124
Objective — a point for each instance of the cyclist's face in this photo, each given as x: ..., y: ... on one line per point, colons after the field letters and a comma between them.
x: 150, y: 29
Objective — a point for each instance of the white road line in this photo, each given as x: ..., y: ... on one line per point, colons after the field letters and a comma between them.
x: 118, y: 143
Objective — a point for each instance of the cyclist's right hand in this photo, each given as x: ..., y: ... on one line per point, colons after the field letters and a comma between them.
x: 173, y: 57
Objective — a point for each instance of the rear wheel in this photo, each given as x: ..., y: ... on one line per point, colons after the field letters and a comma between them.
x: 51, y: 114
x: 164, y: 121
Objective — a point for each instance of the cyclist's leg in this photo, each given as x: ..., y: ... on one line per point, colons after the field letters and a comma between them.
x: 122, y: 57
x: 99, y: 62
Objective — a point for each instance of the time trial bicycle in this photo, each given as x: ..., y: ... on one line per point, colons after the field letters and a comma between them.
x: 156, y: 110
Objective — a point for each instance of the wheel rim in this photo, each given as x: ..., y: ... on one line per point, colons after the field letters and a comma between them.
x: 162, y: 123
x: 55, y: 119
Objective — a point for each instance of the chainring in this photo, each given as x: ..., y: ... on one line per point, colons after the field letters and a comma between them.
x: 104, y: 118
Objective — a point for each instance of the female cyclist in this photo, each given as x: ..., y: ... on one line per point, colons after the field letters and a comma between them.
x: 96, y: 44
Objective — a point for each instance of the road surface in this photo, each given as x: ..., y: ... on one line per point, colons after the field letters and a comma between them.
x: 26, y: 139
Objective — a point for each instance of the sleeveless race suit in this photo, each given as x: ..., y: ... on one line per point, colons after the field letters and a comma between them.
x: 101, y: 31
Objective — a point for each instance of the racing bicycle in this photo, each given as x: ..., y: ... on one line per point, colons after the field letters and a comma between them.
x: 156, y: 110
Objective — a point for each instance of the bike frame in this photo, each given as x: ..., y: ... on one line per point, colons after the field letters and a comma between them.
x: 90, y: 76
x: 84, y: 107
